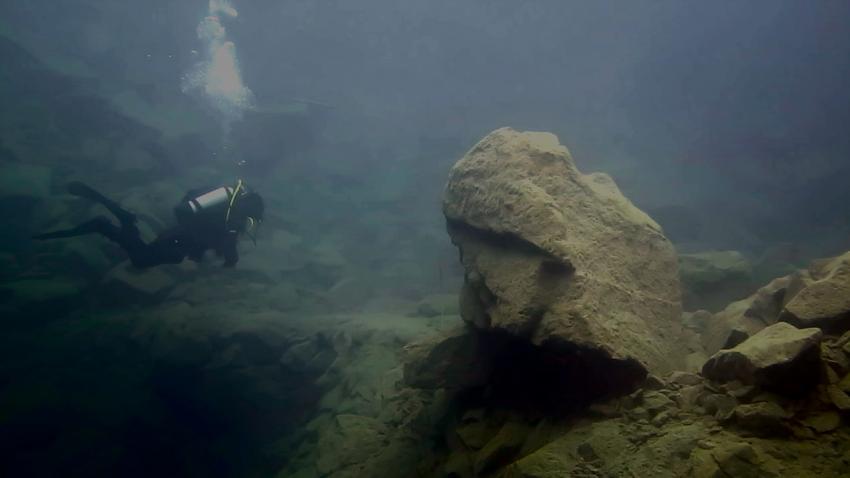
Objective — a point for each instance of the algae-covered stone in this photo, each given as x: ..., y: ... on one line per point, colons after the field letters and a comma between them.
x: 825, y: 302
x: 561, y: 257
x: 823, y: 422
x: 730, y: 459
x: 762, y: 418
x: 655, y: 402
x: 684, y: 378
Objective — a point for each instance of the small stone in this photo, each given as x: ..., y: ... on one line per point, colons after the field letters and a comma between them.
x: 662, y: 418
x: 744, y: 392
x: 823, y: 422
x: 763, y: 418
x: 720, y: 405
x: 684, y: 378
x: 802, y: 433
x: 586, y: 452
x: 655, y: 402
x: 689, y: 396
x: 639, y: 414
x: 738, y: 459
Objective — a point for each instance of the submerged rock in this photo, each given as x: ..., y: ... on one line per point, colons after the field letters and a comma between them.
x: 561, y: 258
x: 823, y: 422
x: 743, y: 318
x: 731, y: 459
x: 780, y: 357
x: 762, y: 418
x: 825, y: 301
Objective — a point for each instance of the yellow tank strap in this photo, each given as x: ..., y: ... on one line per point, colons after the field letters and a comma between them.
x: 233, y: 200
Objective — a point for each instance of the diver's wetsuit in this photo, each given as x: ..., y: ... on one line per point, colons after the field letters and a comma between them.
x: 191, y: 237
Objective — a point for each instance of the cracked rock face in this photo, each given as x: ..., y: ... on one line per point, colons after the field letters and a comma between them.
x: 561, y: 258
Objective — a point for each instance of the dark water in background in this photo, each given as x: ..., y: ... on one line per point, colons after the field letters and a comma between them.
x: 727, y: 129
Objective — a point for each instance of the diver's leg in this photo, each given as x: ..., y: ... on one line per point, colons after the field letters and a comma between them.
x: 84, y: 191
x: 98, y: 225
x: 127, y: 237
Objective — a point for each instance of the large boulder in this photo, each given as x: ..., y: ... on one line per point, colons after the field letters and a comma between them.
x: 825, y: 301
x: 779, y: 358
x: 561, y: 258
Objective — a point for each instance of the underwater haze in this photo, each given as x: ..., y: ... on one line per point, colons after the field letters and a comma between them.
x: 495, y: 238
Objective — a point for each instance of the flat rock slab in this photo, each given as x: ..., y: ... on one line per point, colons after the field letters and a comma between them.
x: 561, y: 258
x: 780, y: 357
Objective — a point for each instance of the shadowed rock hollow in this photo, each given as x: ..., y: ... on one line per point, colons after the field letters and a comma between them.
x: 560, y: 258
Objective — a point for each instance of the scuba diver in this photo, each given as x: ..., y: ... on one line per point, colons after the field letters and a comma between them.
x: 206, y: 219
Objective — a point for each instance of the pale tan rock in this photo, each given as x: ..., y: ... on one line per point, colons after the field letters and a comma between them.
x: 561, y: 257
x: 825, y: 302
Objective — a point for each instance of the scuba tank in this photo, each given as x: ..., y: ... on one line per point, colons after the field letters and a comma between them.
x: 210, y: 203
x: 215, y: 199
